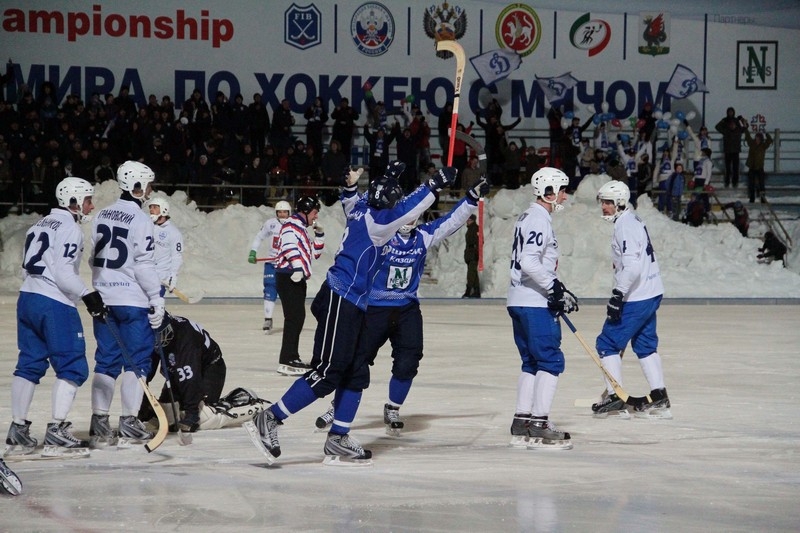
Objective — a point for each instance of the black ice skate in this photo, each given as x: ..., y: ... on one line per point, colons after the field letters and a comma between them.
x: 100, y: 433
x: 610, y: 406
x: 293, y: 368
x: 657, y: 409
x: 60, y: 442
x: 132, y: 431
x: 391, y: 417
x: 267, y: 326
x: 519, y: 430
x: 326, y: 419
x: 344, y: 450
x: 263, y: 431
x: 19, y: 440
x: 543, y: 435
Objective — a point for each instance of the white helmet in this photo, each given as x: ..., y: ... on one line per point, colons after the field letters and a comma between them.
x: 617, y: 192
x: 283, y: 205
x: 549, y: 178
x: 132, y: 173
x: 163, y: 206
x: 74, y: 190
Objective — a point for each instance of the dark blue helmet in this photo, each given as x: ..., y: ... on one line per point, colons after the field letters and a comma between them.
x: 384, y: 192
x: 306, y: 204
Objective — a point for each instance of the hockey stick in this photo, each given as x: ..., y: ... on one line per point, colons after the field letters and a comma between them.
x: 183, y: 439
x: 267, y: 259
x: 182, y: 296
x: 159, y: 437
x: 456, y: 49
x: 624, y: 396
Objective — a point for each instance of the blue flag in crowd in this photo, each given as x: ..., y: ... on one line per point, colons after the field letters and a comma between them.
x: 556, y: 88
x: 496, y: 65
x: 684, y: 82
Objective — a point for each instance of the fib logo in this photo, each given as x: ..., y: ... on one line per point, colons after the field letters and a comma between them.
x: 518, y: 28
x: 591, y: 35
x: 301, y: 27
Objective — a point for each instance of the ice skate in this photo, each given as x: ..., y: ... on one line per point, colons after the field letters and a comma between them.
x: 267, y: 327
x: 60, y: 442
x: 519, y: 430
x: 100, y: 433
x: 391, y: 417
x: 344, y: 450
x: 326, y: 419
x: 132, y: 431
x: 657, y: 409
x: 263, y: 431
x: 293, y: 368
x: 9, y: 481
x: 543, y: 435
x: 611, y: 406
x: 19, y: 440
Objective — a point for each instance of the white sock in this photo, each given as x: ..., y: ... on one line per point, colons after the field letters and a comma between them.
x: 544, y: 391
x: 613, y: 365
x: 102, y: 393
x: 524, y: 393
x: 131, y: 394
x: 651, y: 366
x: 63, y: 396
x: 21, y: 398
x: 269, y: 307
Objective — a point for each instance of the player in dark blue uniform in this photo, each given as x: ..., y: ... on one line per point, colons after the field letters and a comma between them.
x: 393, y: 313
x: 340, y: 307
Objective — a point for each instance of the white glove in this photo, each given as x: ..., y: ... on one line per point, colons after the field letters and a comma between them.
x: 352, y: 176
x: 318, y: 230
x: 297, y: 276
x: 156, y: 314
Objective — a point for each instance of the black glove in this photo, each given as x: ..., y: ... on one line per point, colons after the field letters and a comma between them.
x: 614, y: 307
x: 394, y: 169
x: 443, y: 178
x: 94, y: 304
x: 560, y: 300
x: 479, y: 189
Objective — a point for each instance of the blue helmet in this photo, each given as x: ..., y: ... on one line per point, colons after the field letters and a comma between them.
x: 384, y: 192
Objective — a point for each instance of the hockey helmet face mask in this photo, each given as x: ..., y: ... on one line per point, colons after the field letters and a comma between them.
x: 384, y: 192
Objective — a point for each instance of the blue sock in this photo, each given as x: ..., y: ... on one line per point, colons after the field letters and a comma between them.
x: 346, y: 405
x: 398, y: 390
x: 299, y: 396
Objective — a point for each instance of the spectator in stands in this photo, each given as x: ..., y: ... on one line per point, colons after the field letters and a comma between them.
x: 379, y: 142
x: 316, y: 116
x: 344, y: 123
x: 258, y: 123
x: 741, y: 218
x: 756, y: 177
x: 333, y: 164
x: 407, y: 153
x: 731, y: 127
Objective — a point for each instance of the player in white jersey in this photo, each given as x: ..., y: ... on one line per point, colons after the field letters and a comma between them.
x: 124, y: 271
x: 168, y: 253
x: 270, y: 232
x: 49, y: 330
x: 536, y: 298
x: 632, y: 308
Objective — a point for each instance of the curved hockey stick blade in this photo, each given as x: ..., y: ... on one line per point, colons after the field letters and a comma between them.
x: 634, y: 401
x: 189, y: 299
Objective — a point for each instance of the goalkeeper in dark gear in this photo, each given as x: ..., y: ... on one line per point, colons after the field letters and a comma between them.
x: 197, y: 373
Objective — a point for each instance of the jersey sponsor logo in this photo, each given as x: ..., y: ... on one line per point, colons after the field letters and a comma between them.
x: 518, y: 28
x: 445, y: 22
x: 654, y: 38
x: 399, y: 277
x: 302, y: 26
x: 372, y: 27
x: 592, y: 35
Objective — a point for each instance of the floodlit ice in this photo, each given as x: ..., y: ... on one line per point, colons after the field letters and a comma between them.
x: 728, y: 460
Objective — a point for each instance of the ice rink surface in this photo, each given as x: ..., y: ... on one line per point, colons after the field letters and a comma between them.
x: 728, y: 461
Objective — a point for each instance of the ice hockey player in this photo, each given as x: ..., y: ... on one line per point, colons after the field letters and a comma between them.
x: 9, y: 481
x: 536, y: 298
x: 124, y: 272
x: 270, y: 232
x: 393, y: 312
x: 292, y: 270
x: 197, y: 374
x: 631, y: 311
x: 49, y: 330
x: 168, y: 253
x: 340, y: 307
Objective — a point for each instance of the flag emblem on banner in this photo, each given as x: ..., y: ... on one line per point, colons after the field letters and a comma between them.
x: 684, y: 82
x: 556, y: 88
x: 496, y: 65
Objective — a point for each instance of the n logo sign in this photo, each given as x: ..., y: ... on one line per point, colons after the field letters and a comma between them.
x: 757, y: 65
